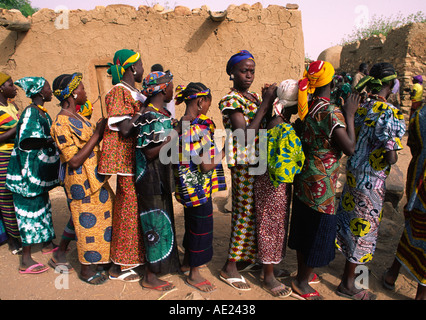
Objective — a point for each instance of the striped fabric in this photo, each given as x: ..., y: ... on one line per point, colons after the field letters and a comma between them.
x: 7, y: 211
x: 193, y: 187
x: 8, y: 120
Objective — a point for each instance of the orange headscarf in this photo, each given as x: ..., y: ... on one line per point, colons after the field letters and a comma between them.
x: 319, y: 73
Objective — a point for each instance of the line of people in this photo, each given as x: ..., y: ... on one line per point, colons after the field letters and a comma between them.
x: 132, y: 229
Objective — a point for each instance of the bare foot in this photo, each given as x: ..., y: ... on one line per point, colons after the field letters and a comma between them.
x: 277, y: 289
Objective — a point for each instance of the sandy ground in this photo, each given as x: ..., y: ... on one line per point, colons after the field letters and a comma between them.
x: 54, y: 286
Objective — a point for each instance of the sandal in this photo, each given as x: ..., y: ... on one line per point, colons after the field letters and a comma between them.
x: 275, y: 292
x: 361, y: 295
x: 61, y: 267
x: 123, y: 276
x: 306, y: 296
x: 231, y: 282
x: 161, y: 287
x: 199, y: 285
x: 94, y: 277
x: 30, y: 269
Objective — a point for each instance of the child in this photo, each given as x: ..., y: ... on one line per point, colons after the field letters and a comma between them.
x: 90, y: 197
x: 272, y: 190
x: 33, y: 172
x: 195, y: 183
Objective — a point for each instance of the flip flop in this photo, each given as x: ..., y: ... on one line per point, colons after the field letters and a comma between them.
x: 315, y: 279
x: 274, y: 291
x: 306, y: 296
x: 16, y: 251
x: 60, y: 267
x: 96, y: 276
x: 126, y: 274
x: 362, y: 295
x: 251, y: 267
x: 159, y: 288
x: 231, y: 282
x: 51, y: 251
x: 30, y: 269
x: 198, y: 285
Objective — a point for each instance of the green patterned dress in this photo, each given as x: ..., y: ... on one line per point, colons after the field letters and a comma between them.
x: 31, y: 175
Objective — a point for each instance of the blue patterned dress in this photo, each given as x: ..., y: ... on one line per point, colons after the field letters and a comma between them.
x: 379, y: 127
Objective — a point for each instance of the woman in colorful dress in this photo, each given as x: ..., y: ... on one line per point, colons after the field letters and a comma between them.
x: 326, y: 131
x: 272, y: 190
x: 154, y: 182
x: 411, y: 251
x: 244, y: 111
x: 379, y: 127
x: 123, y: 105
x: 33, y: 172
x: 8, y: 120
x: 90, y: 198
x: 198, y: 175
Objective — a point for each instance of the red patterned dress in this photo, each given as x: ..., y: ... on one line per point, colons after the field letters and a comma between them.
x: 118, y: 157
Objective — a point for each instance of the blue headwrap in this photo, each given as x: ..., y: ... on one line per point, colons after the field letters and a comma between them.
x: 236, y: 58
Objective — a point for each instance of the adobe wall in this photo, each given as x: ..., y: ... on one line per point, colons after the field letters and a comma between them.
x: 188, y: 42
x: 404, y: 47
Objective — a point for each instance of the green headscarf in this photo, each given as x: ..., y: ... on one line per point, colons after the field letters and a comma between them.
x: 123, y: 59
x: 31, y: 85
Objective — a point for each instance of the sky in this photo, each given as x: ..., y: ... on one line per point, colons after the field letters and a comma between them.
x: 333, y: 19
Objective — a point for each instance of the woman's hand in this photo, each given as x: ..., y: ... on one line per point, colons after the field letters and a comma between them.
x: 100, y: 127
x: 351, y: 104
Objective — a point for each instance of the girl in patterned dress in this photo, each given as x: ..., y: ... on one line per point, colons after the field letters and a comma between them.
x: 326, y: 131
x: 90, y: 198
x: 33, y: 172
x: 379, y: 127
x: 272, y: 189
x: 243, y: 111
x: 8, y: 120
x: 198, y: 175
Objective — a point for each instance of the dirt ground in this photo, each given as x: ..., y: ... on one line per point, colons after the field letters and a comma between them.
x: 53, y: 286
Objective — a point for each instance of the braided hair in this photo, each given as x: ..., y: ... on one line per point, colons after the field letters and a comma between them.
x: 190, y: 92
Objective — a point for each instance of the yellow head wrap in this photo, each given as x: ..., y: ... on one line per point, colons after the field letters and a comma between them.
x: 3, y: 78
x: 318, y: 74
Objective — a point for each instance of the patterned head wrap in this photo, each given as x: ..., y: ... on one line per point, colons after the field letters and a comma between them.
x: 180, y: 94
x: 380, y: 74
x: 3, y: 78
x: 62, y: 93
x: 318, y: 74
x: 31, y: 85
x: 123, y: 59
x: 86, y: 109
x: 155, y: 82
x: 236, y: 58
x: 419, y: 79
x: 287, y: 93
